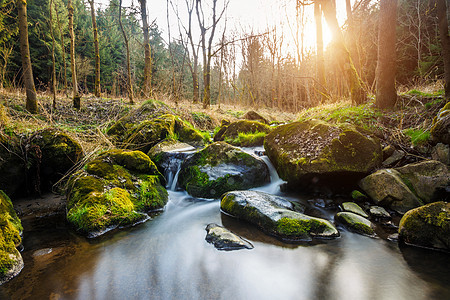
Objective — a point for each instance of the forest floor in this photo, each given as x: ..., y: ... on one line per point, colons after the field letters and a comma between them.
x: 406, y: 127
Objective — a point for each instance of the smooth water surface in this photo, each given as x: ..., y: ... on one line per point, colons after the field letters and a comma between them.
x: 168, y: 258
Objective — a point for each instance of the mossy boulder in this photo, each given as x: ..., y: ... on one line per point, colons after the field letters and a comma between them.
x: 427, y: 226
x: 275, y: 216
x: 440, y: 132
x: 51, y: 153
x: 11, y: 262
x: 221, y: 168
x: 148, y: 110
x: 243, y: 133
x: 150, y: 132
x: 115, y: 189
x: 12, y: 164
x: 354, y: 208
x: 307, y: 152
x: 223, y: 239
x: 408, y: 187
x: 355, y: 223
x: 254, y: 116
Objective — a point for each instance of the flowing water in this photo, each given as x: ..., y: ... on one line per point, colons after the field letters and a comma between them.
x: 168, y: 258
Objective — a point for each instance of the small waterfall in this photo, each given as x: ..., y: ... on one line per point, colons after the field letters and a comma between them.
x: 172, y: 166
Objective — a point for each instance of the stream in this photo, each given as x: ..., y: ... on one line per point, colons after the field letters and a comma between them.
x: 168, y: 258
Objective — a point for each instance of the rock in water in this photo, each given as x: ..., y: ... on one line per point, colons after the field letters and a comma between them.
x: 115, y: 189
x: 408, y: 187
x: 427, y: 226
x: 221, y: 168
x: 379, y: 212
x: 223, y: 239
x: 11, y: 262
x: 275, y: 215
x: 354, y: 208
x: 306, y: 152
x: 355, y: 223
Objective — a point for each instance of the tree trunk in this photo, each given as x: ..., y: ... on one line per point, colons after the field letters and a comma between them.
x: 441, y: 8
x: 352, y: 37
x: 147, y: 51
x: 386, y: 95
x: 357, y: 92
x: 53, y: 55
x: 31, y: 103
x: 62, y: 49
x: 320, y: 58
x: 195, y: 82
x: 129, y: 86
x: 76, y: 96
x: 97, y: 89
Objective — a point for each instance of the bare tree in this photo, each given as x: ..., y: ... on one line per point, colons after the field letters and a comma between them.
x: 386, y: 95
x: 319, y: 50
x: 31, y: 102
x: 441, y: 9
x: 147, y: 51
x: 97, y: 90
x: 127, y: 46
x: 76, y: 96
x: 206, y: 43
x: 61, y: 35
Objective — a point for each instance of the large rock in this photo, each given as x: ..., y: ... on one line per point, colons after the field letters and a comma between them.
x: 427, y: 226
x: 305, y: 152
x: 115, y: 189
x: 150, y: 132
x: 221, y: 168
x: 12, y: 166
x: 11, y: 262
x: 243, y: 133
x: 223, y: 239
x: 276, y: 216
x: 440, y: 132
x: 408, y: 187
x: 355, y: 223
x: 51, y: 153
x: 254, y: 116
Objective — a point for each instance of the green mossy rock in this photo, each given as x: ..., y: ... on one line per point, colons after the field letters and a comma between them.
x: 355, y: 223
x: 305, y: 152
x: 12, y: 166
x: 440, y: 132
x: 221, y: 168
x: 149, y: 110
x: 115, y: 189
x: 408, y: 187
x: 275, y: 216
x: 354, y: 208
x: 150, y: 132
x: 427, y: 226
x: 230, y: 133
x: 254, y: 116
x: 51, y: 154
x: 11, y: 262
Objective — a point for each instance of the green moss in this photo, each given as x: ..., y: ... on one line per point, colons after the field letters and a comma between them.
x: 415, y: 92
x: 418, y: 136
x: 290, y: 227
x: 358, y: 196
x: 247, y: 139
x: 152, y: 194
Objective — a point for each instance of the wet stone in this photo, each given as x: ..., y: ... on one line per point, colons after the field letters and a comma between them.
x: 223, y: 239
x: 379, y: 212
x: 354, y: 208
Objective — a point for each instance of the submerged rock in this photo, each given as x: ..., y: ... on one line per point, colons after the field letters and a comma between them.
x: 253, y: 133
x: 115, y: 189
x: 276, y: 216
x: 221, y: 168
x: 303, y: 153
x: 427, y: 226
x: 379, y: 212
x: 11, y: 262
x: 223, y: 239
x: 355, y: 223
x: 354, y: 208
x: 408, y: 187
